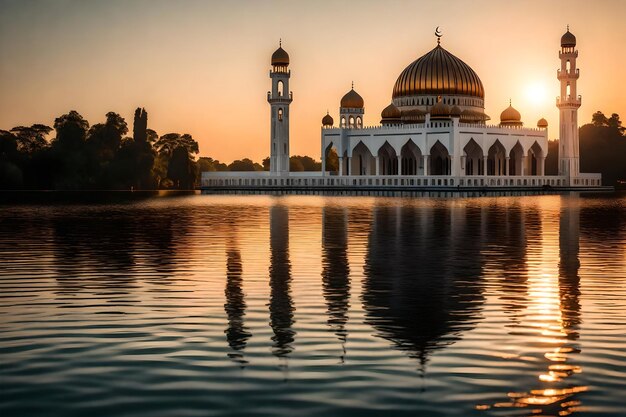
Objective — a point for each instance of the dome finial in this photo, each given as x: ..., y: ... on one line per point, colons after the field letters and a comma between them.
x: 438, y: 34
x: 353, y: 85
x: 280, y: 42
x: 568, y: 28
x: 510, y: 102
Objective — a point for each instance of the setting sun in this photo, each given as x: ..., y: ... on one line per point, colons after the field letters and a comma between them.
x: 536, y: 94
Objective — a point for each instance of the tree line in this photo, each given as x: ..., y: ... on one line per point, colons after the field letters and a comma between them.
x: 101, y: 156
x: 602, y: 149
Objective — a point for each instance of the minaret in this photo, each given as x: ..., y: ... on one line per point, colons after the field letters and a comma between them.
x: 279, y: 98
x: 568, y: 104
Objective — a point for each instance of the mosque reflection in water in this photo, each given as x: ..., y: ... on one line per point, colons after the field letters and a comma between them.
x: 424, y: 287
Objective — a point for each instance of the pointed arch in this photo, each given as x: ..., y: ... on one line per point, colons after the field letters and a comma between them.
x: 516, y: 156
x: 331, y: 158
x: 534, y: 160
x: 411, y: 157
x: 496, y: 159
x: 362, y: 161
x: 439, y: 161
x: 388, y: 160
x: 473, y: 158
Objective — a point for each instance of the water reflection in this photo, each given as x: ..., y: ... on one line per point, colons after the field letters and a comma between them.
x: 237, y: 333
x: 336, y: 270
x: 281, y: 304
x: 422, y: 286
x: 556, y: 316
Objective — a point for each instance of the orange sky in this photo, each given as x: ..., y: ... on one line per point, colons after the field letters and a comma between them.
x: 201, y: 67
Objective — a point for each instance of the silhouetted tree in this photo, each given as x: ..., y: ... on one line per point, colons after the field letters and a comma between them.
x: 167, y: 143
x: 11, y: 175
x: 244, y: 164
x: 266, y: 164
x: 295, y: 165
x: 70, y: 168
x: 31, y: 139
x: 180, y: 169
x: 140, y: 126
x: 206, y: 164
x: 598, y: 119
x: 308, y: 163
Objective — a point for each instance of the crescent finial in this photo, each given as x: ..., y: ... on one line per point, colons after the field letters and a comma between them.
x: 438, y: 35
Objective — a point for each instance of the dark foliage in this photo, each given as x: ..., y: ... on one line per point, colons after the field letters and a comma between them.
x: 602, y: 149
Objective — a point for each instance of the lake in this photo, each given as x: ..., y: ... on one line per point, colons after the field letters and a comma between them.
x: 179, y: 305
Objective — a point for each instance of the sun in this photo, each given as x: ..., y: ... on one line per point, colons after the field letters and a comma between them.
x: 537, y: 94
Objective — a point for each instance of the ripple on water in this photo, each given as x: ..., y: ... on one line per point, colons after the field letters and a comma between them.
x: 347, y: 306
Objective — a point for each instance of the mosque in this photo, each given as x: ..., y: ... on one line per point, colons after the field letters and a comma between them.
x: 433, y: 134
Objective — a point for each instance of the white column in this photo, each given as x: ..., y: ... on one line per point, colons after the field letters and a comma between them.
x: 377, y: 165
x: 523, y: 165
x: 484, y: 165
x: 399, y: 165
x: 340, y: 165
x: 426, y: 164
x: 506, y: 166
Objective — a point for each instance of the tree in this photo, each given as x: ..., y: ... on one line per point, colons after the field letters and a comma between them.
x: 332, y: 160
x: 105, y: 138
x: 244, y: 164
x: 615, y: 124
x: 206, y: 164
x: 266, y: 164
x: 295, y: 165
x: 167, y: 143
x: 308, y: 163
x: 180, y: 169
x: 71, y: 129
x: 598, y: 119
x: 31, y: 139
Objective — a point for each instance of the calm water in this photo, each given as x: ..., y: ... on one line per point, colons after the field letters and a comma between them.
x: 313, y: 306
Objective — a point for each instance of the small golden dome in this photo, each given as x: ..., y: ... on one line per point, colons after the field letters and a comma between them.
x: 280, y: 57
x: 542, y: 123
x: 413, y: 116
x: 568, y: 40
x: 352, y: 100
x: 390, y: 112
x: 440, y: 110
x: 510, y: 117
x: 455, y: 111
x: 327, y: 120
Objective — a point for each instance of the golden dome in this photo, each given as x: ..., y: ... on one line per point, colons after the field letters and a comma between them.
x: 352, y: 100
x: 413, y: 116
x: 280, y: 57
x: 438, y: 73
x: 568, y: 40
x: 440, y: 111
x: 390, y: 112
x: 510, y: 117
x: 542, y: 123
x: 328, y: 120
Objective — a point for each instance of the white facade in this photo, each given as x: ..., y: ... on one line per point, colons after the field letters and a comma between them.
x: 433, y: 134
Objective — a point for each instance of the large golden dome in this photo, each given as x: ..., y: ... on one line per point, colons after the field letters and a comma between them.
x: 438, y: 73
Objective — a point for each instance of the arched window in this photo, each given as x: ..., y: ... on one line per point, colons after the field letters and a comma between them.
x: 343, y: 121
x: 280, y: 114
x: 351, y: 121
x: 359, y: 122
x: 567, y: 91
x: 281, y: 89
x: 567, y: 66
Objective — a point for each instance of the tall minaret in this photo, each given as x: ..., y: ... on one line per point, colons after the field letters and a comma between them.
x: 279, y: 98
x: 568, y: 104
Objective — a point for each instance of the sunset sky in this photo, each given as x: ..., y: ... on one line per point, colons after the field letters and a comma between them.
x: 201, y: 67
